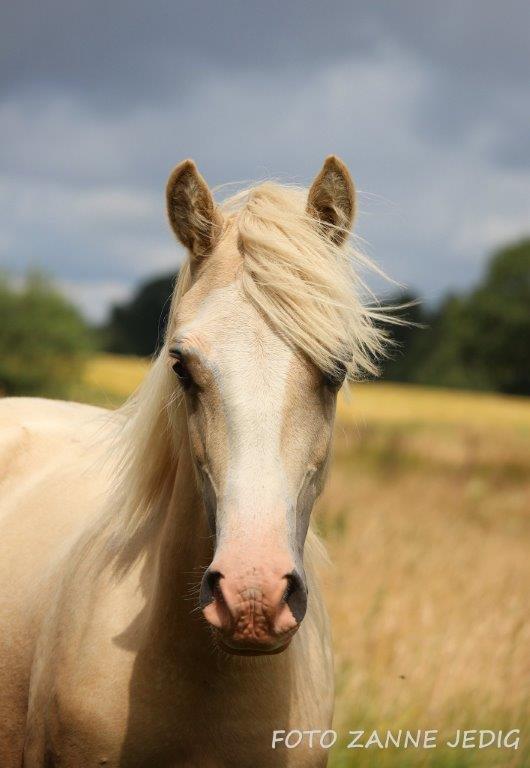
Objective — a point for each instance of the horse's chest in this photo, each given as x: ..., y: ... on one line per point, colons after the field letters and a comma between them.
x: 158, y: 715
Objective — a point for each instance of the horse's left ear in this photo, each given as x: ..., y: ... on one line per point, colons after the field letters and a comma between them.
x: 191, y: 209
x: 331, y: 199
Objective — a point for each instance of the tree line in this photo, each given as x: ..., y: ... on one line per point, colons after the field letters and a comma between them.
x: 475, y: 340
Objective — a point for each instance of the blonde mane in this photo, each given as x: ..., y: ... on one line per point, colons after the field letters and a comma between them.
x: 309, y: 290
x: 306, y: 286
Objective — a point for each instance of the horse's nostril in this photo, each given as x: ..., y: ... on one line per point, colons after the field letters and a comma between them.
x: 209, y: 587
x: 295, y: 595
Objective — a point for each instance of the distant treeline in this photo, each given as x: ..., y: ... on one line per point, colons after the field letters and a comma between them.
x: 137, y: 327
x: 478, y: 340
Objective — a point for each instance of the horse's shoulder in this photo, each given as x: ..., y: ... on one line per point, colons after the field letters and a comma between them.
x: 37, y: 428
x: 37, y: 410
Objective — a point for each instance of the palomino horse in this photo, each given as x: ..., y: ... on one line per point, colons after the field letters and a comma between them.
x: 153, y: 574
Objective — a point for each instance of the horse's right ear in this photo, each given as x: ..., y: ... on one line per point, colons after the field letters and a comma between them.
x: 191, y: 209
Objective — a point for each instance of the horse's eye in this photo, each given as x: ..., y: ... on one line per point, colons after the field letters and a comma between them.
x: 180, y: 368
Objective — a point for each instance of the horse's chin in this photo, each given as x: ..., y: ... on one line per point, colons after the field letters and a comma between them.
x: 251, y: 650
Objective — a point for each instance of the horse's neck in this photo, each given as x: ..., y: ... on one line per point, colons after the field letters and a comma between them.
x: 184, y: 550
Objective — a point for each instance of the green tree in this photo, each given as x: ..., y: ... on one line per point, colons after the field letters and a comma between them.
x: 137, y: 327
x: 477, y: 341
x: 43, y: 339
x: 498, y: 348
x: 405, y: 348
x: 441, y: 357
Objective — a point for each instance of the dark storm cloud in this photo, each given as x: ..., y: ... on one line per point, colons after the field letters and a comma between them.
x: 427, y: 102
x: 121, y: 54
x: 128, y: 48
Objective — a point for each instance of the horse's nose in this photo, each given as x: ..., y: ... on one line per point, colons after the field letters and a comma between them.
x: 255, y: 609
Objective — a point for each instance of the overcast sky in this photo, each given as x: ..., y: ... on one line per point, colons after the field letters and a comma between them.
x: 427, y: 102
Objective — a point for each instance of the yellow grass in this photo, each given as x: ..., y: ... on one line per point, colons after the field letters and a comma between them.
x: 109, y: 379
x: 407, y: 404
x: 427, y: 521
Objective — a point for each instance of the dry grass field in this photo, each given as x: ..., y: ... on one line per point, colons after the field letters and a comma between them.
x: 426, y: 517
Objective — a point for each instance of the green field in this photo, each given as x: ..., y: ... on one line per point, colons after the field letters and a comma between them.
x: 426, y: 517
